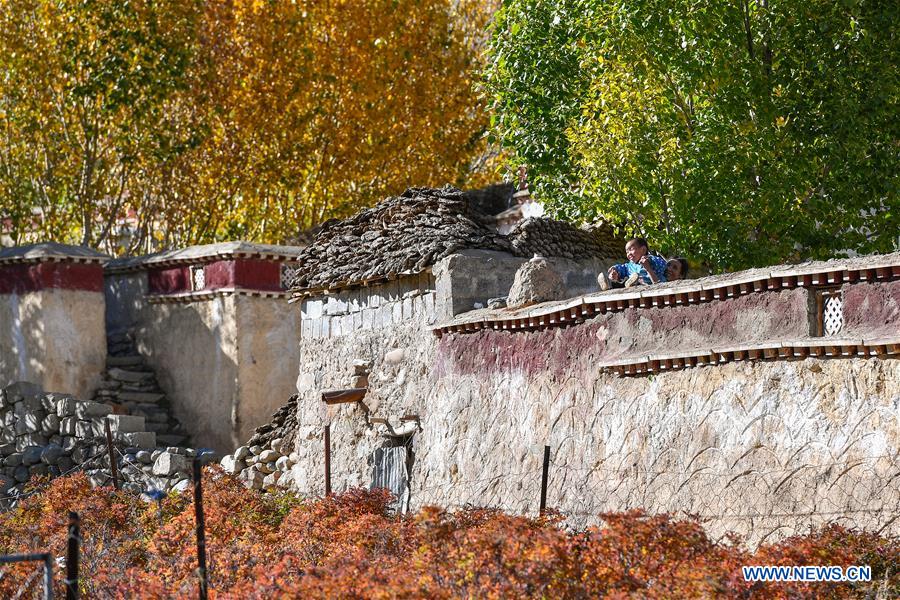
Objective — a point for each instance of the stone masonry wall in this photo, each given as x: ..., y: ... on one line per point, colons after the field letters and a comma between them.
x: 193, y: 349
x: 399, y: 358
x: 762, y: 448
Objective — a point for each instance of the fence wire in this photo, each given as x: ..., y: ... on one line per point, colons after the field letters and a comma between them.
x: 771, y: 502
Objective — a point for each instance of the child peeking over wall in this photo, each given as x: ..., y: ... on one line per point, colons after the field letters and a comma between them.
x: 642, y: 267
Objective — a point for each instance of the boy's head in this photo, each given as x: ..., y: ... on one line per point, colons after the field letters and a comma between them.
x: 676, y: 268
x: 636, y: 248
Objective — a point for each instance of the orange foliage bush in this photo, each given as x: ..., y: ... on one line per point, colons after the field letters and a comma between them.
x: 351, y: 546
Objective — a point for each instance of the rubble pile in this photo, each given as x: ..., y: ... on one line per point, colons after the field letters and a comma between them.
x: 268, y: 456
x: 53, y: 434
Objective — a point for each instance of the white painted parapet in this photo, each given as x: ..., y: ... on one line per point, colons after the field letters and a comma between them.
x: 52, y: 329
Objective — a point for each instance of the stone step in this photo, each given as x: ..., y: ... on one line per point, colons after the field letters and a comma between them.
x: 170, y: 439
x: 141, y: 397
x: 130, y: 376
x: 159, y: 428
x: 124, y: 361
x: 157, y: 416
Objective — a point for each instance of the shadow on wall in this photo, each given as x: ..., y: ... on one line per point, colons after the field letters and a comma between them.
x: 23, y: 359
x: 125, y: 299
x: 191, y: 348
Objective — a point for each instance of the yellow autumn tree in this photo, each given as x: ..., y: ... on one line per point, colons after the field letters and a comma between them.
x: 256, y: 119
x: 81, y: 86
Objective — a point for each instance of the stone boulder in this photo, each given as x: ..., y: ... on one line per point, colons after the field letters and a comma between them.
x: 536, y: 281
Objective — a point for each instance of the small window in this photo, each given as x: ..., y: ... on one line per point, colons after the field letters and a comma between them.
x: 198, y: 278
x: 830, y: 309
x: 289, y: 273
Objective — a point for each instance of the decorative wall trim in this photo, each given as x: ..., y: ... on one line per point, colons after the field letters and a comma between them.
x: 186, y: 297
x: 789, y: 349
x: 555, y: 314
x: 204, y: 254
x: 33, y: 276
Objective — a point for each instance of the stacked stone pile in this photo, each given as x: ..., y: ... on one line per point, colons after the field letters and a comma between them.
x: 410, y: 233
x: 546, y: 237
x: 267, y: 458
x: 131, y: 386
x: 52, y: 434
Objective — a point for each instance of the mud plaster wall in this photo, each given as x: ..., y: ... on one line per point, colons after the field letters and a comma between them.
x: 761, y: 448
x: 767, y: 316
x: 872, y: 308
x: 226, y: 363
x: 193, y: 349
x: 268, y: 354
x: 55, y: 338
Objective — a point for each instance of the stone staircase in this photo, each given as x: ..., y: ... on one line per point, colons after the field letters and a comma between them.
x: 131, y: 387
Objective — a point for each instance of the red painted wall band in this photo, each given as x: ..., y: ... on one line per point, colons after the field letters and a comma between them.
x: 263, y: 275
x: 258, y: 275
x: 171, y: 280
x: 34, y: 277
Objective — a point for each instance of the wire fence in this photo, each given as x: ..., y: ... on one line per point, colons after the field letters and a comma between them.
x: 98, y: 466
x: 759, y: 504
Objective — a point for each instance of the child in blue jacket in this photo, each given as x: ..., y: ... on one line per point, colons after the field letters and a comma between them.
x: 641, y: 267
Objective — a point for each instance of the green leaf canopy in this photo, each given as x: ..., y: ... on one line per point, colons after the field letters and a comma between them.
x: 741, y: 133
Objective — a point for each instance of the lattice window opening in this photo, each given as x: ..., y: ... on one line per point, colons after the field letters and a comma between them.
x: 198, y: 278
x: 288, y: 275
x: 832, y: 314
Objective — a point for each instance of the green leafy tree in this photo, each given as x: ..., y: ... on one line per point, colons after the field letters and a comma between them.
x: 739, y: 133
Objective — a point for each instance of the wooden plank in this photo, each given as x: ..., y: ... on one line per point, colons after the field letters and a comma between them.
x: 345, y: 396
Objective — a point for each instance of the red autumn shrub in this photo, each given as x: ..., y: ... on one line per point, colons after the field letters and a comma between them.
x: 351, y: 546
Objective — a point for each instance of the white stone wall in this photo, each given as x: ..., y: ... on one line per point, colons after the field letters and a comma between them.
x: 764, y: 449
x: 370, y: 308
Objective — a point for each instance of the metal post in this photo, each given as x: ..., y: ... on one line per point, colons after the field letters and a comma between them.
x: 72, y: 556
x: 48, y: 576
x: 328, y: 460
x: 112, y: 456
x: 201, y: 533
x: 544, y: 478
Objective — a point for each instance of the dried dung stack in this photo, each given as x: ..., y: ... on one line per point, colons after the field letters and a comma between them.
x: 410, y: 233
x: 405, y: 234
x: 547, y: 237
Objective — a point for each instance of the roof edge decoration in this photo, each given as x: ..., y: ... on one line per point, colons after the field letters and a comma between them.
x: 202, y: 254
x: 51, y: 252
x: 878, y: 267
